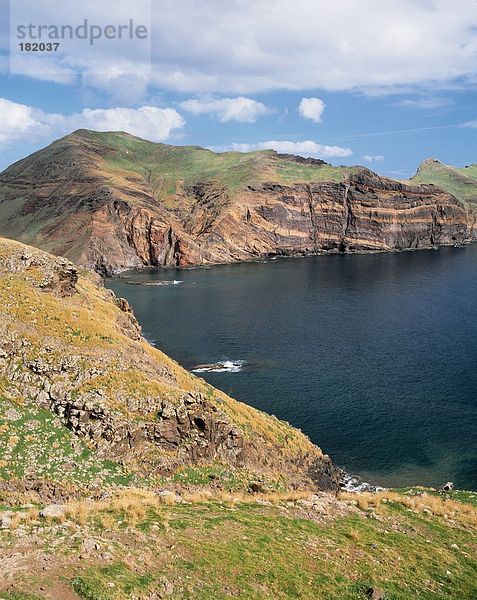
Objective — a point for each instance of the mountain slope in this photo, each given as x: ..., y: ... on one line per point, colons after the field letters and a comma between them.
x: 461, y: 183
x: 111, y: 201
x: 68, y: 346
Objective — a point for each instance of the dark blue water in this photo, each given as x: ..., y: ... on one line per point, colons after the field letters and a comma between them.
x: 374, y: 357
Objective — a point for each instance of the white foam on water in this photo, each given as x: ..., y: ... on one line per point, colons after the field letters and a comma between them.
x: 156, y: 283
x: 223, y: 366
x: 350, y: 483
x: 172, y: 282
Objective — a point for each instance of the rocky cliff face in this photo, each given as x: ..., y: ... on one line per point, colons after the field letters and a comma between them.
x: 113, y: 202
x: 71, y: 347
x: 363, y: 213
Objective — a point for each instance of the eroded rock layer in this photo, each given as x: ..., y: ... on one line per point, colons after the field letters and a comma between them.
x: 113, y: 202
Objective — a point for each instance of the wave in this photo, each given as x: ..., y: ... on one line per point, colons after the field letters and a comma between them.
x: 223, y: 366
x: 351, y: 483
x: 171, y: 282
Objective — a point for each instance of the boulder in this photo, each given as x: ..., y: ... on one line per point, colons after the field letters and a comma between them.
x: 447, y: 487
x: 53, y: 511
x: 169, y: 497
x: 6, y: 519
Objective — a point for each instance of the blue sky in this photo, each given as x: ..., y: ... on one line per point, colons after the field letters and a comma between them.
x: 385, y: 84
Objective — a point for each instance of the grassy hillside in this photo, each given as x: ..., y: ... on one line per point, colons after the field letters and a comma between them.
x: 67, y: 345
x: 76, y: 176
x: 460, y: 182
x: 137, y: 545
x: 136, y: 203
x: 168, y: 169
x: 34, y: 443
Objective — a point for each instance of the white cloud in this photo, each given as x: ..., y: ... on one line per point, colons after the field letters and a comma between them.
x: 309, y: 44
x: 425, y: 103
x: 247, y: 47
x: 45, y: 70
x: 373, y: 157
x: 311, y: 108
x: 150, y: 122
x: 244, y: 110
x: 472, y: 124
x: 107, y: 63
x: 305, y: 148
x: 19, y: 121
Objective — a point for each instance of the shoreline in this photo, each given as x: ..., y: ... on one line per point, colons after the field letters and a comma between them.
x: 274, y: 257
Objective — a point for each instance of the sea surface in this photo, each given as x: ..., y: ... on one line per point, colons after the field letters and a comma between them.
x: 373, y: 356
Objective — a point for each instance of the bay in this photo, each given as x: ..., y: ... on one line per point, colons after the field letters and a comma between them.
x: 373, y: 356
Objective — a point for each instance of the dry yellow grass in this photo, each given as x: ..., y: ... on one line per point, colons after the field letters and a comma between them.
x: 133, y: 503
x: 421, y: 503
x: 224, y: 496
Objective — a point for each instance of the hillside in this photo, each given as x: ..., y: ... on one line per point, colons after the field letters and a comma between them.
x: 124, y: 477
x: 69, y: 348
x: 135, y: 203
x: 460, y: 182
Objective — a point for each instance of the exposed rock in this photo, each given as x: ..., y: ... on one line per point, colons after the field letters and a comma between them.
x: 89, y: 545
x: 6, y: 519
x: 447, y: 487
x: 12, y: 415
x: 129, y: 220
x: 168, y: 496
x: 43, y: 491
x: 325, y: 474
x: 53, y: 511
x: 58, y: 276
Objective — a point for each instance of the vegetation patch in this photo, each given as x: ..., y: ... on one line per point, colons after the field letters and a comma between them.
x: 34, y: 443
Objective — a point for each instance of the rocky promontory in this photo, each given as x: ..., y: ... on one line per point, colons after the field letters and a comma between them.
x: 69, y: 347
x: 134, y: 203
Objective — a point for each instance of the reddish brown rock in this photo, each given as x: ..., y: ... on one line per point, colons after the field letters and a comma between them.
x: 76, y: 199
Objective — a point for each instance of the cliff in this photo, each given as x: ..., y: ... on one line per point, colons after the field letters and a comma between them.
x: 110, y: 201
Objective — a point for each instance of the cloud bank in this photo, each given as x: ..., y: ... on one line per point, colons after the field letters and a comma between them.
x: 248, y: 47
x: 18, y: 121
x: 244, y: 110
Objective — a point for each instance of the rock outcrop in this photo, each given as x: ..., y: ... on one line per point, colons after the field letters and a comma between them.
x: 134, y: 203
x: 69, y: 346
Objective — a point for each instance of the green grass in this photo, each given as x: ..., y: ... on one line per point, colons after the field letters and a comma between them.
x: 166, y: 167
x: 223, y: 476
x: 110, y: 581
x: 271, y: 555
x: 33, y: 443
x: 213, y: 550
x: 292, y: 172
x: 461, y: 183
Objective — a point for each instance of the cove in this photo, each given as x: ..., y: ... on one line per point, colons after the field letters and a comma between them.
x: 373, y: 356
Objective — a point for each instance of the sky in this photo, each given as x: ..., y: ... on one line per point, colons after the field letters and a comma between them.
x: 381, y: 83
